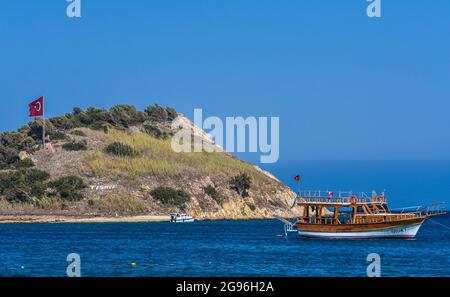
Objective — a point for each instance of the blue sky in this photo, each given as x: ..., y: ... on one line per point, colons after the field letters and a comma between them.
x: 346, y: 87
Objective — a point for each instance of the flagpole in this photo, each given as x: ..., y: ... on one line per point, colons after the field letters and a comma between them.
x: 43, y: 121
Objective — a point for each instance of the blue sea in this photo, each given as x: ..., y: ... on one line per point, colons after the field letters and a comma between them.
x: 246, y: 248
x: 213, y: 248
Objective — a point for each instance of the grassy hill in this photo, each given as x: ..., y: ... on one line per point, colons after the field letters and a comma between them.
x: 119, y: 162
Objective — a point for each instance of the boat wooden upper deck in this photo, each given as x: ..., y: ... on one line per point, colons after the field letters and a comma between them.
x: 340, y: 199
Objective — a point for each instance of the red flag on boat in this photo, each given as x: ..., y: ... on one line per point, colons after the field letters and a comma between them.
x: 37, y: 107
x: 297, y: 178
x: 330, y: 195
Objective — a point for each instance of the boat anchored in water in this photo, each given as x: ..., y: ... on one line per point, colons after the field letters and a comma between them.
x: 181, y: 218
x: 356, y: 215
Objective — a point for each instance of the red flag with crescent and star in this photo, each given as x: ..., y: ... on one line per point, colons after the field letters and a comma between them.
x: 37, y: 107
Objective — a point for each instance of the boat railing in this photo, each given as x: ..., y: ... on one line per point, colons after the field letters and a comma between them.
x: 344, y: 197
x: 323, y: 220
x: 289, y: 226
x: 422, y: 210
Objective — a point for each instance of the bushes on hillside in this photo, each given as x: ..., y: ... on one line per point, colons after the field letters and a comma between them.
x: 170, y: 196
x: 126, y: 115
x: 23, y: 185
x: 119, y: 116
x: 69, y: 187
x: 154, y: 131
x: 30, y: 184
x: 25, y: 163
x: 78, y: 133
x: 75, y: 146
x: 19, y: 141
x: 7, y: 156
x: 58, y: 135
x: 241, y: 184
x: 27, y: 139
x: 213, y: 193
x: 251, y: 206
x: 34, y: 130
x: 121, y: 150
x: 160, y: 114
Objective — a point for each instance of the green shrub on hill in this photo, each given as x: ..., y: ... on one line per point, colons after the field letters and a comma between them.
x: 119, y: 116
x: 35, y: 130
x: 126, y: 115
x: 69, y: 187
x: 30, y: 184
x: 160, y: 114
x: 121, y: 150
x: 63, y: 122
x: 213, y: 193
x: 25, y: 163
x: 78, y: 133
x: 18, y: 141
x: 7, y: 156
x: 170, y: 196
x: 23, y: 185
x: 251, y: 206
x: 154, y: 131
x: 75, y: 146
x: 241, y: 184
x: 57, y: 135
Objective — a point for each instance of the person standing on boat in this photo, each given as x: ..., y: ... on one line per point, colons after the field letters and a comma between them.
x: 330, y: 196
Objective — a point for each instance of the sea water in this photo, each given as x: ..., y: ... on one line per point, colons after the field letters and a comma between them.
x: 213, y: 248
x: 247, y: 248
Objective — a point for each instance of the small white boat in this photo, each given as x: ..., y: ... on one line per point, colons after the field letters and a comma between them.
x: 181, y: 218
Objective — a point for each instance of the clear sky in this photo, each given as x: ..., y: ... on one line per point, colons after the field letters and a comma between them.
x: 346, y: 87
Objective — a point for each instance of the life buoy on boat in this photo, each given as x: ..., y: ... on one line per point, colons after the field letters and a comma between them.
x: 354, y: 200
x: 380, y: 199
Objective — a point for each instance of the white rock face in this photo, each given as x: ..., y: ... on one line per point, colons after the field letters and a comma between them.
x: 198, y: 133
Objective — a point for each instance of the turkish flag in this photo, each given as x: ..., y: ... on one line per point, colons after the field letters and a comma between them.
x: 37, y: 108
x: 297, y: 178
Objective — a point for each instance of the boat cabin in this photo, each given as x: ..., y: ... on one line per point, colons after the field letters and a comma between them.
x: 325, y: 207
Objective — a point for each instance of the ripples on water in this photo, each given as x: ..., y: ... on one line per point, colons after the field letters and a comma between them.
x: 223, y: 248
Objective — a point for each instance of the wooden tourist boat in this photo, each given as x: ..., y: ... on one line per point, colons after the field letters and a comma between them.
x: 355, y: 215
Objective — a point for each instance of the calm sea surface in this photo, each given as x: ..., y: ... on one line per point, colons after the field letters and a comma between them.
x: 223, y: 248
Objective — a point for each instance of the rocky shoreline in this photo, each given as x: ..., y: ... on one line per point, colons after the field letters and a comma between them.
x: 65, y: 219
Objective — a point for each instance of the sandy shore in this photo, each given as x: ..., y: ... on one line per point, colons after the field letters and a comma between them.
x: 10, y: 219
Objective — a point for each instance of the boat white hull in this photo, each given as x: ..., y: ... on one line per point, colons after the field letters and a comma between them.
x: 184, y: 221
x: 398, y: 232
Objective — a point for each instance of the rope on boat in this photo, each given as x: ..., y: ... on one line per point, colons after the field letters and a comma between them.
x: 438, y: 223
